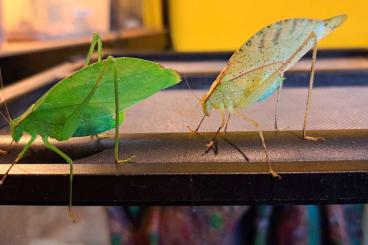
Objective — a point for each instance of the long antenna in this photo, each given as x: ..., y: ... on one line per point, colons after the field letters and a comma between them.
x: 2, y: 93
x: 6, y: 119
x: 191, y: 90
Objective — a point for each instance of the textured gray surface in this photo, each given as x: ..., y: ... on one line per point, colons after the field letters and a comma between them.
x: 171, y: 111
x: 332, y: 108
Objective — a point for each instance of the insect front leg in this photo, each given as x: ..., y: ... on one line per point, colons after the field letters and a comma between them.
x: 117, y: 112
x: 96, y: 39
x: 212, y: 144
x: 309, y: 98
x: 199, y: 125
x: 19, y: 157
x: 71, y: 172
x: 258, y: 127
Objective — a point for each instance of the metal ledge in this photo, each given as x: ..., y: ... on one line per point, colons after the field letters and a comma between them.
x: 170, y: 170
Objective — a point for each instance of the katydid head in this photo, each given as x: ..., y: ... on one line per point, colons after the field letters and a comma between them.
x: 206, y: 105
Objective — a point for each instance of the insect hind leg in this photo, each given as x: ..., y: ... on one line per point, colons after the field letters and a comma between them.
x: 258, y: 127
x: 309, y: 98
x: 111, y: 60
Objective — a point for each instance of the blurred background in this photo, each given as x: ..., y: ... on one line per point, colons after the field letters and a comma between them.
x: 190, y: 25
x: 42, y: 41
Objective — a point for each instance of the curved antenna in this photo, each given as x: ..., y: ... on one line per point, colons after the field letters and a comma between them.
x: 6, y: 119
x: 3, y: 95
x: 191, y: 90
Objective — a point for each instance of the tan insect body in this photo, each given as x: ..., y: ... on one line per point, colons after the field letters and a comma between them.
x: 247, y: 68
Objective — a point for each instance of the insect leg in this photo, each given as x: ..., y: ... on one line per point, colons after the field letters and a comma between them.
x: 199, y: 125
x: 309, y: 98
x: 211, y: 144
x: 96, y: 39
x: 19, y: 157
x: 258, y: 127
x: 117, y: 113
x: 227, y: 122
x: 277, y: 106
x: 70, y: 162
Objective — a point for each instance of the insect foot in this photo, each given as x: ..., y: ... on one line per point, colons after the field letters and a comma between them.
x: 130, y: 159
x: 211, y: 146
x: 315, y: 139
x: 274, y: 174
x: 192, y: 130
x: 102, y: 136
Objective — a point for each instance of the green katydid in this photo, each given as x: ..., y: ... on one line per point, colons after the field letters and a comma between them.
x: 255, y: 71
x: 91, y: 101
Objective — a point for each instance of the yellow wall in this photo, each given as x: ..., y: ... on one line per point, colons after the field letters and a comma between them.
x: 207, y: 25
x: 152, y: 14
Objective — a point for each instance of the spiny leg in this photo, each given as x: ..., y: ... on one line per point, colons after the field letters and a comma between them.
x: 117, y: 112
x: 258, y: 127
x: 19, y: 157
x: 211, y: 144
x: 277, y: 106
x: 70, y: 162
x: 96, y: 39
x: 307, y: 107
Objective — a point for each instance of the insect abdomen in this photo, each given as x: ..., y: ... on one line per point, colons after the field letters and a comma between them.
x: 271, y: 90
x: 97, y: 125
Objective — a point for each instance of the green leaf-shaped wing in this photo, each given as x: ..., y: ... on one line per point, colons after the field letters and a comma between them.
x: 137, y: 79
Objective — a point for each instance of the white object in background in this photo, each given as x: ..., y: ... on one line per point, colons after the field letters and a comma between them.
x: 44, y: 19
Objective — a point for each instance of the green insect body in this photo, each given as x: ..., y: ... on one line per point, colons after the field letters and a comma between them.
x: 255, y: 71
x: 91, y: 101
x: 138, y: 79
